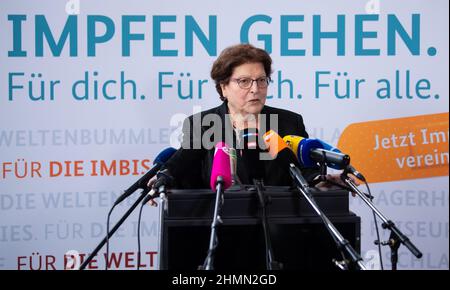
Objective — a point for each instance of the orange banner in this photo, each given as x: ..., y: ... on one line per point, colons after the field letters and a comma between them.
x: 399, y: 149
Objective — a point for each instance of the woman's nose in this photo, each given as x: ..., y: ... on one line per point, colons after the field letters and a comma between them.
x: 254, y: 88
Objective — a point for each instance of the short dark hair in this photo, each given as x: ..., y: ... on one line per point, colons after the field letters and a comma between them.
x: 234, y: 56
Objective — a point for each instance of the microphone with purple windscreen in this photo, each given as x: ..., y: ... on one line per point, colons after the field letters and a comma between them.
x: 221, y: 166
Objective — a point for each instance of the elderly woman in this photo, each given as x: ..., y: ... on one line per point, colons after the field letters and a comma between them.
x: 242, y: 75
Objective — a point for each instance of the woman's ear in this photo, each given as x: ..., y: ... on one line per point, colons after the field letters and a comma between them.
x: 224, y: 87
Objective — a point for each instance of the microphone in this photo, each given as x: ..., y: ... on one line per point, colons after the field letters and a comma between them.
x: 221, y: 171
x: 279, y: 149
x: 311, y: 151
x: 274, y: 143
x: 328, y: 147
x: 333, y: 159
x: 162, y: 158
x: 355, y: 172
x: 220, y: 180
x: 163, y: 179
x: 249, y: 149
x: 233, y: 167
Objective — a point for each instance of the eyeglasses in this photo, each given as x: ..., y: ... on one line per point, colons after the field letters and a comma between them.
x: 246, y: 83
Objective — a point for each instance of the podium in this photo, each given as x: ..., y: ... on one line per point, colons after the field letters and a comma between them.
x: 300, y: 240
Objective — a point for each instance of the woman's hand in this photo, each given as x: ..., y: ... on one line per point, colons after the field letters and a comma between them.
x: 335, y: 181
x: 150, y: 184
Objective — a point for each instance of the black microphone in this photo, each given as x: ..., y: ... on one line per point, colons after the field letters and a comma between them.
x: 163, y: 179
x: 355, y: 172
x: 322, y: 155
x: 249, y: 154
x: 162, y: 158
x: 338, y: 160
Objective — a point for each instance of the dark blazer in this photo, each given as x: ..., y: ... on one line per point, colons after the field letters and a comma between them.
x: 191, y: 168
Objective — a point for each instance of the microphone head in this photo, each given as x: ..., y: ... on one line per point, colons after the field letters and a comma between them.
x: 328, y: 147
x: 293, y: 143
x: 274, y: 143
x: 304, y: 152
x: 164, y: 155
x: 302, y: 149
x: 221, y: 166
x: 280, y: 151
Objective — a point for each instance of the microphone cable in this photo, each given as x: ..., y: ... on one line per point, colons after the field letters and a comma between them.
x: 139, y: 235
x: 107, y: 236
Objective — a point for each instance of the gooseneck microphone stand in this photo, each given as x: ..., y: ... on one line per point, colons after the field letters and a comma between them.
x: 213, y: 241
x: 271, y: 264
x: 112, y: 231
x: 341, y: 243
x: 396, y: 236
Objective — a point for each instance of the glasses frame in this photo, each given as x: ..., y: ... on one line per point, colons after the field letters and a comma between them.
x: 251, y: 84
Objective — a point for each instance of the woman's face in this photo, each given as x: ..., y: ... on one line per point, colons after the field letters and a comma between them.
x: 246, y: 101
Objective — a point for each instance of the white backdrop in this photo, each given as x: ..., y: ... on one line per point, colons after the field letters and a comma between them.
x: 67, y: 154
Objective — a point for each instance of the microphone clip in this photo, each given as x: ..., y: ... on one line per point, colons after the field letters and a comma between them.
x: 322, y: 177
x: 163, y: 180
x: 343, y: 264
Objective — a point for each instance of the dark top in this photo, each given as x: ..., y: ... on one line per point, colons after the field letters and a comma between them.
x: 191, y: 164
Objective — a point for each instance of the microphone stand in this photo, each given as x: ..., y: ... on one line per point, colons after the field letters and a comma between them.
x: 112, y: 231
x: 163, y: 210
x: 271, y: 264
x: 341, y: 243
x: 396, y: 237
x: 213, y: 241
